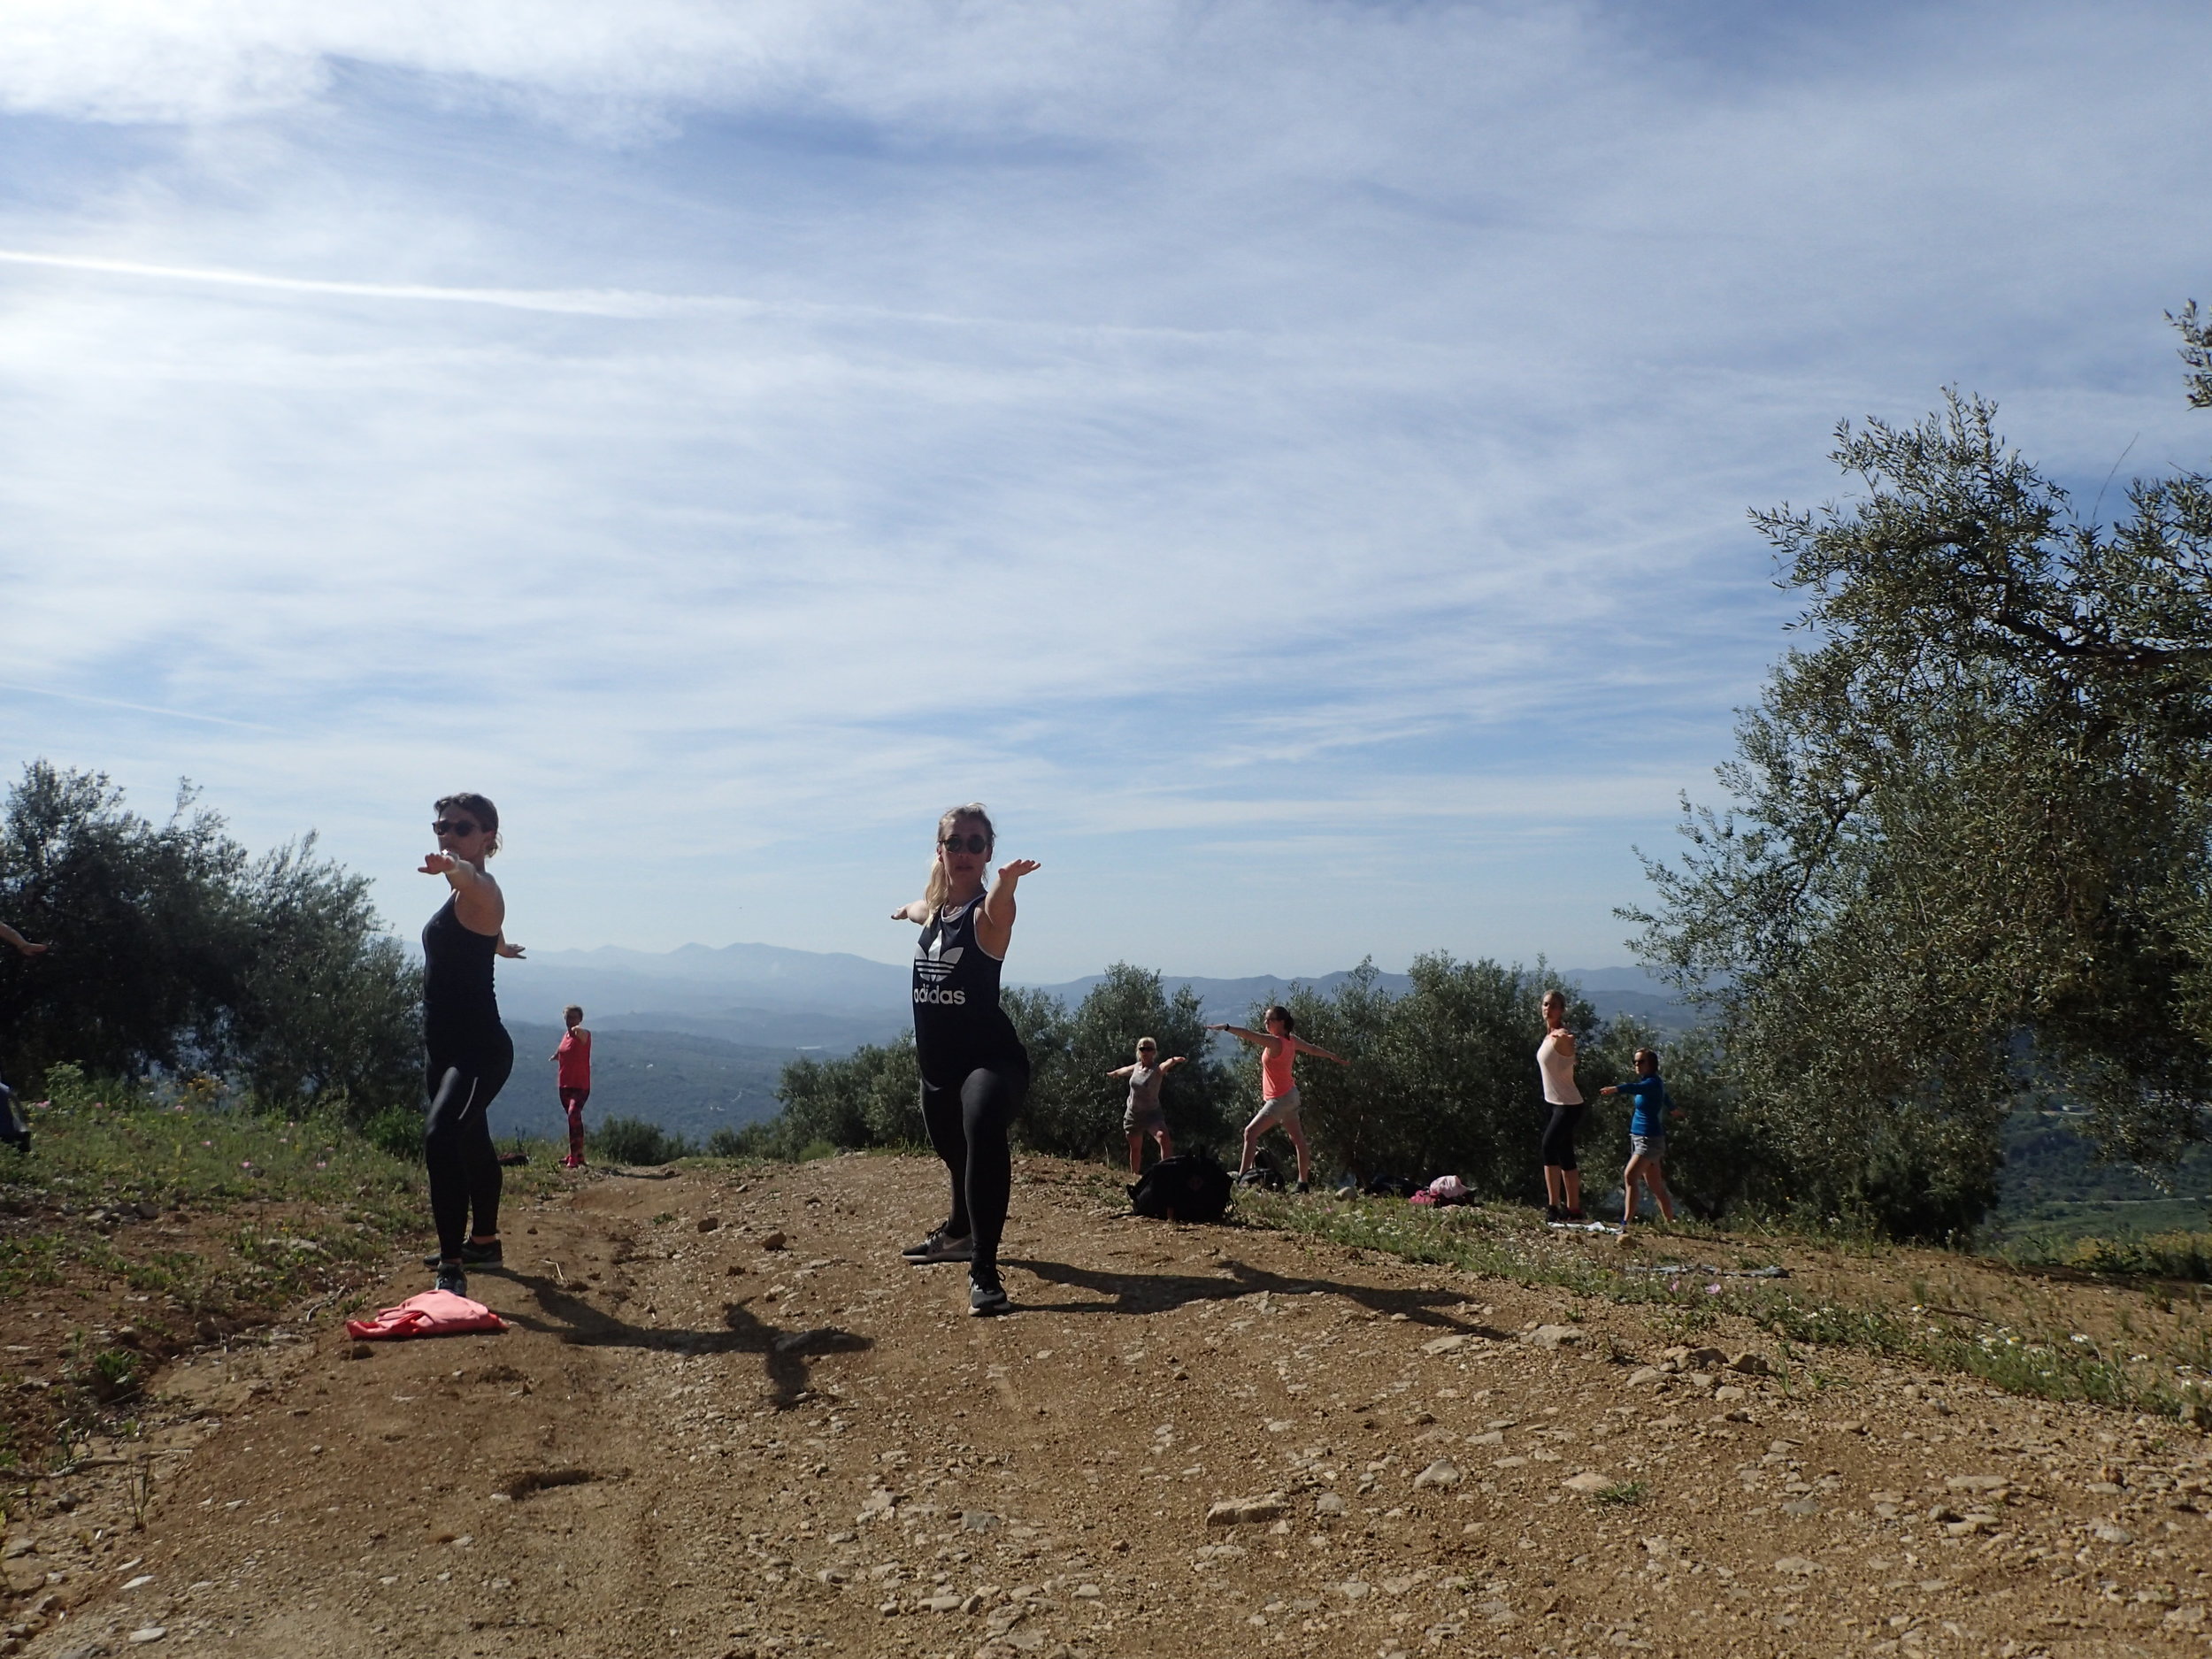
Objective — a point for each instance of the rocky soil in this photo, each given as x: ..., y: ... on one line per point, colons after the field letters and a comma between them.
x: 729, y: 1420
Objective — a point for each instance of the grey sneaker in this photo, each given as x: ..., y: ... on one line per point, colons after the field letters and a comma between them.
x: 452, y: 1278
x: 940, y: 1246
x: 987, y: 1296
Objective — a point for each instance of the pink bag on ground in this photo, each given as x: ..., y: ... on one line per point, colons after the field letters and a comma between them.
x: 1448, y: 1189
x: 433, y: 1313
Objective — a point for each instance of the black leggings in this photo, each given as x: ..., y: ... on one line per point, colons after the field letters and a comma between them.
x: 1559, y: 1137
x: 11, y: 1132
x: 967, y: 1122
x: 457, y: 1143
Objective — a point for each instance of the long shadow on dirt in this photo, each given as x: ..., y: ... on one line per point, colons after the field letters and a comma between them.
x: 784, y: 1354
x: 1158, y: 1293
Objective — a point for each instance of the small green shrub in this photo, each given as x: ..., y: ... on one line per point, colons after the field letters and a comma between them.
x: 748, y: 1142
x: 633, y: 1140
x: 397, y: 1131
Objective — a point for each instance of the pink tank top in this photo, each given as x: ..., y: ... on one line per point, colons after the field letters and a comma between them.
x: 1275, y: 1079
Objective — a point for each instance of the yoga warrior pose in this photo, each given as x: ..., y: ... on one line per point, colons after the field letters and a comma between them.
x: 1143, y: 1116
x: 1647, y: 1138
x: 1556, y: 1060
x: 572, y: 1080
x: 975, y: 1071
x: 470, y: 1052
x: 1279, y: 1089
x: 13, y: 1129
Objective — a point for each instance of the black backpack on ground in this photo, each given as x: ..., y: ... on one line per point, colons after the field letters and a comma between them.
x: 1190, y: 1187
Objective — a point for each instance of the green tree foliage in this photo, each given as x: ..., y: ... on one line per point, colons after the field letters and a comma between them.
x: 872, y: 1096
x: 324, y: 1004
x: 1967, y: 854
x: 172, y: 947
x: 1443, y: 1079
x: 1080, y: 1113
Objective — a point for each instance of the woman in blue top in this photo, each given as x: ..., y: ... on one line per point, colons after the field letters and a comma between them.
x: 1646, y: 1137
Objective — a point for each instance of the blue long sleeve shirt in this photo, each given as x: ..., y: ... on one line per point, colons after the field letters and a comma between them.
x: 1652, y: 1105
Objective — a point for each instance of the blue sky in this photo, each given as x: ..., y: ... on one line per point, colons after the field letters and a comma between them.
x: 1290, y: 459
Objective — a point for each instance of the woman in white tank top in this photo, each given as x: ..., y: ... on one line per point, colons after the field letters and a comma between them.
x: 1555, y: 1060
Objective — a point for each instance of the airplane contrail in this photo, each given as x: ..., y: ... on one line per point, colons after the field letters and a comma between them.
x: 579, y: 301
x: 616, y: 303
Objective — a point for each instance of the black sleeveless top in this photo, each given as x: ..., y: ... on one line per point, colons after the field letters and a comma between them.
x: 958, y: 1024
x: 460, y: 1014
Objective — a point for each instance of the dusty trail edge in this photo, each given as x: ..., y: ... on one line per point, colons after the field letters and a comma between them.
x: 729, y: 1421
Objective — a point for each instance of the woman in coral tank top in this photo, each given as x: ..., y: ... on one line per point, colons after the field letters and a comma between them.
x: 572, y: 1080
x: 1278, y: 1088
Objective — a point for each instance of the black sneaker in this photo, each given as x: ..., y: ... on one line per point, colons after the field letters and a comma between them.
x: 451, y: 1278
x: 940, y: 1247
x: 986, y: 1295
x: 475, y: 1255
x: 1576, y: 1215
x: 1302, y: 1187
x: 1553, y: 1212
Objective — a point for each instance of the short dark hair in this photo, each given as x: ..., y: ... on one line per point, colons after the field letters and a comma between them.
x: 478, y: 807
x: 1651, y: 1054
x: 1279, y: 1012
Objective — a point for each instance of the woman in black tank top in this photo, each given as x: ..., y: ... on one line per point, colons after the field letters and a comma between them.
x: 975, y: 1071
x: 469, y: 1051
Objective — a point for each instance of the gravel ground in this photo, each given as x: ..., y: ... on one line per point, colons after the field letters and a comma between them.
x: 729, y: 1421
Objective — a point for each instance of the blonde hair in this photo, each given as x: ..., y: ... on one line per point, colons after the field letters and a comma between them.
x: 939, y: 884
x: 1147, y: 1042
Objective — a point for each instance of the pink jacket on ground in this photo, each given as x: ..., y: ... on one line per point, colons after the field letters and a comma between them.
x: 433, y: 1313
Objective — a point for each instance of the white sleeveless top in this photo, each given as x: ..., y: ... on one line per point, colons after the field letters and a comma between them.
x: 1558, y: 1067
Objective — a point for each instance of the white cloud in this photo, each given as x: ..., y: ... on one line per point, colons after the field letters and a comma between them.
x: 1218, y: 429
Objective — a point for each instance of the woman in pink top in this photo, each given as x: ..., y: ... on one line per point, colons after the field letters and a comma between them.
x: 1279, y: 1090
x: 572, y: 1078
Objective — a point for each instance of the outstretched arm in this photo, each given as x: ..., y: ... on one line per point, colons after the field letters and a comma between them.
x: 1267, y: 1041
x: 477, y: 899
x: 1125, y: 1070
x: 10, y: 936
x: 1318, y: 1051
x: 994, y: 928
x: 1169, y: 1065
x: 915, y: 912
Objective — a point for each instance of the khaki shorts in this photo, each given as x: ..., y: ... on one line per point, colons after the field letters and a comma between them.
x: 1282, y: 1109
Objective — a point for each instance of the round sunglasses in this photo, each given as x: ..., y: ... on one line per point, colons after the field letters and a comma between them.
x: 970, y: 844
x: 452, y: 826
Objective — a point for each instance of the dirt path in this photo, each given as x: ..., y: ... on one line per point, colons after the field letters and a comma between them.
x: 691, y: 1446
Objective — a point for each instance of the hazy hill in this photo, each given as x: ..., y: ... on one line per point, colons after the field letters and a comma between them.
x: 771, y: 997
x: 676, y: 1079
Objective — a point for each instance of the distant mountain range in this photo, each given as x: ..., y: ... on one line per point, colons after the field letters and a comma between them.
x: 695, y: 1039
x: 769, y: 996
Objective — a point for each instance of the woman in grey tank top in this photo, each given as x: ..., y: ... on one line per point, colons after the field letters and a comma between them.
x: 1143, y: 1116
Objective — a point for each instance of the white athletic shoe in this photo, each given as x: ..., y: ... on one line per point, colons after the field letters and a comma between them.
x: 940, y: 1247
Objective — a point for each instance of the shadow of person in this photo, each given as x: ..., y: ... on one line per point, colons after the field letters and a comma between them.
x: 1162, y: 1292
x: 785, y: 1354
